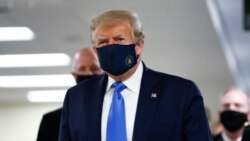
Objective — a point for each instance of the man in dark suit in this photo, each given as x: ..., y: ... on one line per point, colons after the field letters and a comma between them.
x: 246, y: 133
x: 131, y: 102
x: 49, y: 127
x: 85, y: 66
x: 234, y: 113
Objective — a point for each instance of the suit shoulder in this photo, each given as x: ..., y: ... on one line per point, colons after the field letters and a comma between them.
x: 174, y: 83
x: 54, y: 113
x: 90, y: 82
x: 83, y: 88
x: 170, y: 78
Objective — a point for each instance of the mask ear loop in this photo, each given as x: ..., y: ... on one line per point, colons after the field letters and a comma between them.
x: 137, y: 56
x: 137, y: 43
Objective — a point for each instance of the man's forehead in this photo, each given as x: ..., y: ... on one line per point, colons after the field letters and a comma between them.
x: 114, y: 24
x: 234, y: 97
x: 115, y: 27
x: 87, y: 62
x: 87, y: 56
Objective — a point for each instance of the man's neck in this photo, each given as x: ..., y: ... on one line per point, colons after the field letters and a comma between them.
x: 234, y: 135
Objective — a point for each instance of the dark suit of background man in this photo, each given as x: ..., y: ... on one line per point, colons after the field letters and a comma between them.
x: 85, y: 66
x: 234, y: 113
x: 158, y: 106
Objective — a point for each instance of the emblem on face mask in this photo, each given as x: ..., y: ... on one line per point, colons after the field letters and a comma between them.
x: 129, y: 60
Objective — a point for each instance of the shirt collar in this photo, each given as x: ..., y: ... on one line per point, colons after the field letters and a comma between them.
x: 133, y: 83
x: 226, y: 138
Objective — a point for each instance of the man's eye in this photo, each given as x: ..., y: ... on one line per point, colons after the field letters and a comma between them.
x: 102, y: 42
x: 238, y: 105
x: 226, y: 105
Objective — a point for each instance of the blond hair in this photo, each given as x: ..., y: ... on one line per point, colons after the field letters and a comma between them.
x: 116, y: 16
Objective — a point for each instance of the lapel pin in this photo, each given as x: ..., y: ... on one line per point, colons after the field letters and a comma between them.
x: 153, y: 95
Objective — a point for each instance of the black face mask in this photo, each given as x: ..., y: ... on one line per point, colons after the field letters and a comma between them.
x: 233, y: 120
x: 80, y: 78
x: 117, y: 59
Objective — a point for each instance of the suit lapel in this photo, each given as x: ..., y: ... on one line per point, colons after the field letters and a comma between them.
x: 94, y: 102
x: 147, y: 103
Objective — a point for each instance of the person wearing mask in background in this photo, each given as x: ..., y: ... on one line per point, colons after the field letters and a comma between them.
x: 85, y: 66
x: 234, y: 113
x: 131, y: 102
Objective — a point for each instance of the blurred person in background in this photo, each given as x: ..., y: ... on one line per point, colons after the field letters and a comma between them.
x: 85, y: 66
x: 234, y: 113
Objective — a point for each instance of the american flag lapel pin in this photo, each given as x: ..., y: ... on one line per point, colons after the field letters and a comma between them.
x: 153, y: 95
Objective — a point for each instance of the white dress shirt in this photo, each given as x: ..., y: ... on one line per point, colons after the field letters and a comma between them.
x: 130, y: 96
x: 226, y: 138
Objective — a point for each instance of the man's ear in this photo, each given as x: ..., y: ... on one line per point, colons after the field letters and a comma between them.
x: 74, y: 75
x: 94, y: 48
x: 139, y: 47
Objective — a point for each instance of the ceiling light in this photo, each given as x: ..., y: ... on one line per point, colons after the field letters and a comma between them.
x: 25, y: 81
x: 16, y: 34
x: 34, y: 60
x: 46, y: 95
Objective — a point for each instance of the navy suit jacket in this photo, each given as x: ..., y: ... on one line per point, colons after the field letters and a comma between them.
x: 175, y: 114
x: 49, y: 127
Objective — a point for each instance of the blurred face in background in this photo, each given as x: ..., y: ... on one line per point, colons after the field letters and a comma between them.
x: 234, y: 110
x: 85, y: 65
x: 235, y: 100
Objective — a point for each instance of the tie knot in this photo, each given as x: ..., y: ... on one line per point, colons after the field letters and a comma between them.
x: 119, y: 86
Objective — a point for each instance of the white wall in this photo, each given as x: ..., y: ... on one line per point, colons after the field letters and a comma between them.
x: 20, y: 122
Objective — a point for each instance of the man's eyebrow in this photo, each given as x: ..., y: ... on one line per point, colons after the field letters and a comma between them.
x: 102, y: 39
x: 119, y: 35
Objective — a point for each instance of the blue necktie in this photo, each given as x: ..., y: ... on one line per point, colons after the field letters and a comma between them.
x: 116, y: 126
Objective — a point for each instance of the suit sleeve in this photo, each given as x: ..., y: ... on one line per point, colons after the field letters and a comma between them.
x: 64, y: 134
x: 196, y: 126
